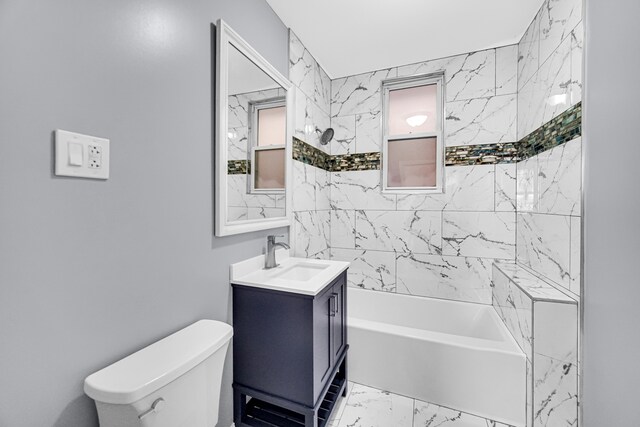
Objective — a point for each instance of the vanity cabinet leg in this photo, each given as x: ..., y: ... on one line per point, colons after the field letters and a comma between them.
x: 346, y: 378
x: 310, y: 419
x: 239, y: 407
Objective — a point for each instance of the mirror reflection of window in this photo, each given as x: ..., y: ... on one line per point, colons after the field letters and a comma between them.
x: 269, y: 169
x: 271, y: 126
x: 268, y: 136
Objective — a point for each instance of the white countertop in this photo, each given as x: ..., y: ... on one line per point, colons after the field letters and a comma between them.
x: 251, y: 272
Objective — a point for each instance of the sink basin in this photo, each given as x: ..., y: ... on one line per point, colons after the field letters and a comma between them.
x: 296, y: 275
x: 301, y: 271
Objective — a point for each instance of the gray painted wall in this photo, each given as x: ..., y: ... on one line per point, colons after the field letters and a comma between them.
x: 611, y: 373
x: 91, y: 271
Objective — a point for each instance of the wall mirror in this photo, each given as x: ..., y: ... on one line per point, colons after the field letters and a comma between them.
x: 254, y: 107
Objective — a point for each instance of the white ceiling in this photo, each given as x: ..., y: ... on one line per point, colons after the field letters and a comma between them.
x: 354, y: 36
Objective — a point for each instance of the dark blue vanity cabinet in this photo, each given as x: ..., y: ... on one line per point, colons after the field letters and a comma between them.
x: 289, y: 355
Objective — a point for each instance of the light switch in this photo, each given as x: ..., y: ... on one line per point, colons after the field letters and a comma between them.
x: 82, y: 156
x: 75, y: 154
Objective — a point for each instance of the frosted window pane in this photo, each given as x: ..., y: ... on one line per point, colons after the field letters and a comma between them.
x: 413, y: 110
x: 411, y: 163
x: 269, y: 169
x: 271, y: 126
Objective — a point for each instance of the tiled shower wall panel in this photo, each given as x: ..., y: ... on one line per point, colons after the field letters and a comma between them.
x: 550, y: 183
x: 549, y: 207
x: 312, y: 93
x: 550, y: 64
x: 311, y: 193
x: 437, y: 245
x: 480, y: 101
x: 544, y: 323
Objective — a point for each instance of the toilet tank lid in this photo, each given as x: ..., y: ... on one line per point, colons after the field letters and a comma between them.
x: 155, y: 366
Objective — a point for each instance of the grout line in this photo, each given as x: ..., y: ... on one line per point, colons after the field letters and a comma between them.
x: 413, y: 414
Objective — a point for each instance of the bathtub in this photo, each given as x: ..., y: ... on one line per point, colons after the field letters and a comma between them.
x: 453, y: 354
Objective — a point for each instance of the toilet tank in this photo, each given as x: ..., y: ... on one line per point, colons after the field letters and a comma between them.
x: 174, y: 382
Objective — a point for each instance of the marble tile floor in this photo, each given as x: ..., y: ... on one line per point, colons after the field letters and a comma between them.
x: 369, y: 407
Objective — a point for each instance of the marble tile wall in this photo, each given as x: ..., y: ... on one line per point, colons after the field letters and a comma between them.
x: 481, y: 103
x: 548, y: 204
x: 549, y: 184
x: 437, y: 245
x: 549, y: 192
x: 488, y: 212
x: 312, y: 93
x: 544, y: 323
x: 311, y: 197
x: 550, y: 64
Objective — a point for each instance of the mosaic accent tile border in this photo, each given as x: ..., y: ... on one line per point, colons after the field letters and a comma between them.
x: 238, y: 167
x: 564, y: 128
x: 356, y: 162
x: 310, y: 155
x: 481, y: 154
x: 557, y: 131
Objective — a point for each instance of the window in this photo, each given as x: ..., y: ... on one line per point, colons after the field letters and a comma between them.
x: 268, y: 136
x: 412, y: 144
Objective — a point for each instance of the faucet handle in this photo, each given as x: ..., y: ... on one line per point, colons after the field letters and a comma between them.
x: 272, y: 237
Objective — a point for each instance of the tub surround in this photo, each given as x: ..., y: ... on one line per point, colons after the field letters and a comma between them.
x: 439, y: 245
x: 548, y: 195
x: 549, y: 175
x: 483, y: 213
x: 544, y: 323
x: 512, y: 195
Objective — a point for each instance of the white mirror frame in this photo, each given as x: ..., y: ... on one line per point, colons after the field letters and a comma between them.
x: 226, y: 37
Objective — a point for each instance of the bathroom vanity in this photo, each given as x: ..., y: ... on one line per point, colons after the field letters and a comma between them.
x: 290, y: 341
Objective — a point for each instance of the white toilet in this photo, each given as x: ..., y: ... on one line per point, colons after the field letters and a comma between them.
x: 174, y: 382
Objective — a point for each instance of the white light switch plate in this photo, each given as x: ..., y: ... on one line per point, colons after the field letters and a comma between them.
x: 81, y: 156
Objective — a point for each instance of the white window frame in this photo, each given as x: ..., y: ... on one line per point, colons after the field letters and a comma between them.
x: 254, y: 108
x: 405, y: 83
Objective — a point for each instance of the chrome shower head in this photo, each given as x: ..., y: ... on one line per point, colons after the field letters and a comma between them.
x: 326, y: 136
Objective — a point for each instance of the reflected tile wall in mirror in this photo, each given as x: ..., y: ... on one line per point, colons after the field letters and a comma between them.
x: 252, y: 91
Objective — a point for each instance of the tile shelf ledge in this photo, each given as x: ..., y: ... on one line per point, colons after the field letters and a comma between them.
x: 533, y: 286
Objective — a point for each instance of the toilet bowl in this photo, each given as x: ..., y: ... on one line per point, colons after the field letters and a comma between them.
x: 174, y: 382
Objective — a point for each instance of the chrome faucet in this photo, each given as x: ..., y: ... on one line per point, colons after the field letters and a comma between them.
x: 270, y: 258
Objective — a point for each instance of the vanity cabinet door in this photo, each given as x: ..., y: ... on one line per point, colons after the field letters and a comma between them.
x: 339, y: 317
